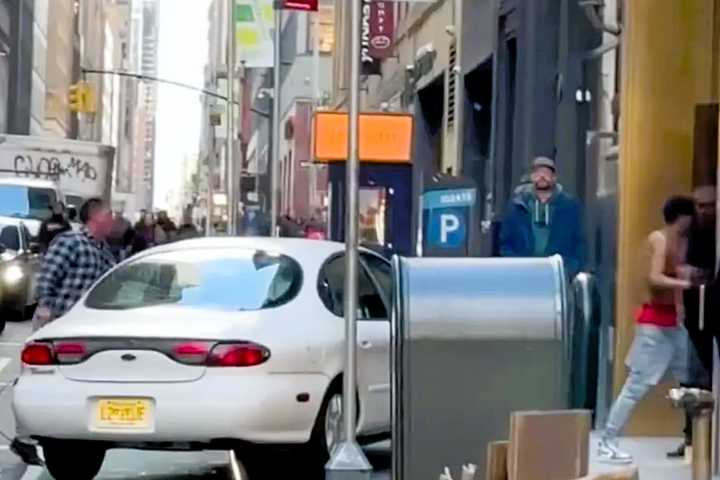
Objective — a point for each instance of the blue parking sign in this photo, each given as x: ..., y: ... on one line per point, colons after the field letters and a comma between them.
x: 446, y: 214
x: 447, y: 227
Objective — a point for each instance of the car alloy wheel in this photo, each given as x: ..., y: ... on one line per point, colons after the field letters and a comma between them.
x: 334, y: 422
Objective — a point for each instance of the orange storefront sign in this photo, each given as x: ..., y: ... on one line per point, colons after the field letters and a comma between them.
x: 384, y: 138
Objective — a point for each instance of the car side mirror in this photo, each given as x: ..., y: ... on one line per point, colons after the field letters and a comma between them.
x: 35, y: 248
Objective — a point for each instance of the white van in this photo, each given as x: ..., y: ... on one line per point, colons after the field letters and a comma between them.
x: 28, y: 199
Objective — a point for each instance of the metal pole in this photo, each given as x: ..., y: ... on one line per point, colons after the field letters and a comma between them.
x: 232, y: 200
x: 275, y: 160
x: 701, y: 458
x: 348, y: 460
x: 212, y: 156
x: 316, y: 58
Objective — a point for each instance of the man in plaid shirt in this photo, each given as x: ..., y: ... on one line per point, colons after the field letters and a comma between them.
x: 74, y: 261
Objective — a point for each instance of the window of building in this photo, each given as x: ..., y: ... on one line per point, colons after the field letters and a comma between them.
x: 326, y: 26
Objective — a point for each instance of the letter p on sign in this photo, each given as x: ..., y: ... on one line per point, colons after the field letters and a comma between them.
x: 448, y: 223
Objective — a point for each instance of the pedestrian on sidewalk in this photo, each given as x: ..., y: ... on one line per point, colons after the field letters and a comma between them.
x: 74, y: 261
x: 700, y: 263
x: 542, y: 220
x: 660, y: 343
x: 53, y: 226
x: 120, y: 234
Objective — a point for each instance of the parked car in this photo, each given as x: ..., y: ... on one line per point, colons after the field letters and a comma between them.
x: 19, y: 264
x: 207, y: 343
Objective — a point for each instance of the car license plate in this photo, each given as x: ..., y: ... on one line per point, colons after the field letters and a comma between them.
x: 124, y: 414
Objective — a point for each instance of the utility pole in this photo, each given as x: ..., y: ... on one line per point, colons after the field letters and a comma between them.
x: 232, y: 177
x: 275, y: 159
x: 348, y: 461
x: 210, y: 202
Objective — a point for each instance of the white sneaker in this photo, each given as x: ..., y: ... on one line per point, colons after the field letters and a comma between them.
x: 609, y: 452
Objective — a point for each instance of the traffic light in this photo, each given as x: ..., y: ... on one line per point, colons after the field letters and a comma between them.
x: 81, y: 98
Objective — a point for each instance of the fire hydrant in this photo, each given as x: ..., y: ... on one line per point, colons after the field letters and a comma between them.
x: 699, y: 404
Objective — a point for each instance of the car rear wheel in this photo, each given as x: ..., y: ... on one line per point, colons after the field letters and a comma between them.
x: 328, y: 431
x: 333, y: 423
x: 67, y: 460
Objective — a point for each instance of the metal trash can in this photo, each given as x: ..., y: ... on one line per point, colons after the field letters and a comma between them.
x: 474, y: 339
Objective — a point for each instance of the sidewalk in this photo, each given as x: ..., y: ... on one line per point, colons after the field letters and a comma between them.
x: 649, y: 456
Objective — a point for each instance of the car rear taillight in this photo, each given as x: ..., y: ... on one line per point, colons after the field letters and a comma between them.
x: 38, y: 354
x: 68, y: 352
x: 191, y: 353
x: 237, y: 355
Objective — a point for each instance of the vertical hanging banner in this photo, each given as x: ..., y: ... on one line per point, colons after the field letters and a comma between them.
x: 378, y: 34
x: 382, y: 29
x: 253, y: 32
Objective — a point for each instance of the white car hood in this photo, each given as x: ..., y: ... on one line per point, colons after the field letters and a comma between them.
x: 155, y: 322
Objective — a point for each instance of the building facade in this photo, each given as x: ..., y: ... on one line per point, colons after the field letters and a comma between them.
x: 63, y: 68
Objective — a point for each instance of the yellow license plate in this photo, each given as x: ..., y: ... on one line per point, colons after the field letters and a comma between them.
x: 124, y: 414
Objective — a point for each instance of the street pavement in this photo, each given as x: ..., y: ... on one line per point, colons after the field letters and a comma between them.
x: 131, y: 465
x: 11, y: 342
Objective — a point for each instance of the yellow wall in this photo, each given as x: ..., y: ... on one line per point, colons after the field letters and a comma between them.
x: 667, y: 68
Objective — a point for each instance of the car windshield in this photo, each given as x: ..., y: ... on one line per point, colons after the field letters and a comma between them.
x: 26, y: 202
x: 9, y: 236
x: 218, y: 279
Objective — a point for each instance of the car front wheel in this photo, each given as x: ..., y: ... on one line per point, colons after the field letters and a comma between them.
x: 67, y: 460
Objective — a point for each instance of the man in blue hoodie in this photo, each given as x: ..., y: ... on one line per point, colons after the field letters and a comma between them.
x: 542, y: 220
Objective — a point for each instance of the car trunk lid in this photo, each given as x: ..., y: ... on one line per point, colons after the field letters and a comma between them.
x: 154, y: 344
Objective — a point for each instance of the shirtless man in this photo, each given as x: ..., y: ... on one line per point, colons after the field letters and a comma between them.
x: 660, y: 343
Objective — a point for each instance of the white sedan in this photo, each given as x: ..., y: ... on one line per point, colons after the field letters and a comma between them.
x: 205, y: 344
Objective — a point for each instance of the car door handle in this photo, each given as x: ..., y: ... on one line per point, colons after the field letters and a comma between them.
x: 365, y: 344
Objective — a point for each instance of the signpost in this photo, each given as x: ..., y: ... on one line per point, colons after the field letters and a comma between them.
x: 348, y: 461
x: 232, y: 170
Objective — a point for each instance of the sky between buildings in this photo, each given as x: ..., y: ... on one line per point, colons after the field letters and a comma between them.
x: 182, y: 54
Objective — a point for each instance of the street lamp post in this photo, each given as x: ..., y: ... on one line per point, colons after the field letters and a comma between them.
x: 348, y: 461
x: 232, y: 177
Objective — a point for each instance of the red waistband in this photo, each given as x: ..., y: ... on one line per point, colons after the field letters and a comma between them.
x: 660, y: 315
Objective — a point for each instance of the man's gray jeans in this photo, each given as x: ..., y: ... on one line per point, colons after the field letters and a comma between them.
x: 655, y: 351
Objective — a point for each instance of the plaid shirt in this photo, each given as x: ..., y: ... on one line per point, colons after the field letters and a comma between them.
x: 74, y: 261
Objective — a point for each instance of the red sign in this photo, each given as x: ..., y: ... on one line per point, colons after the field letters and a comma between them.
x: 378, y: 34
x: 304, y: 5
x: 382, y: 29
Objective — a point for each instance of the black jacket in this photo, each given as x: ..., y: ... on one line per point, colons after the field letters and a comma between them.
x: 51, y: 228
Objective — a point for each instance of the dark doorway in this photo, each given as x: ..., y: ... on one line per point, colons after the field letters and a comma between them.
x: 477, y: 138
x: 432, y: 107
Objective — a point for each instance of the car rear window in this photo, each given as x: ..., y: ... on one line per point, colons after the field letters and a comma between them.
x: 218, y: 279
